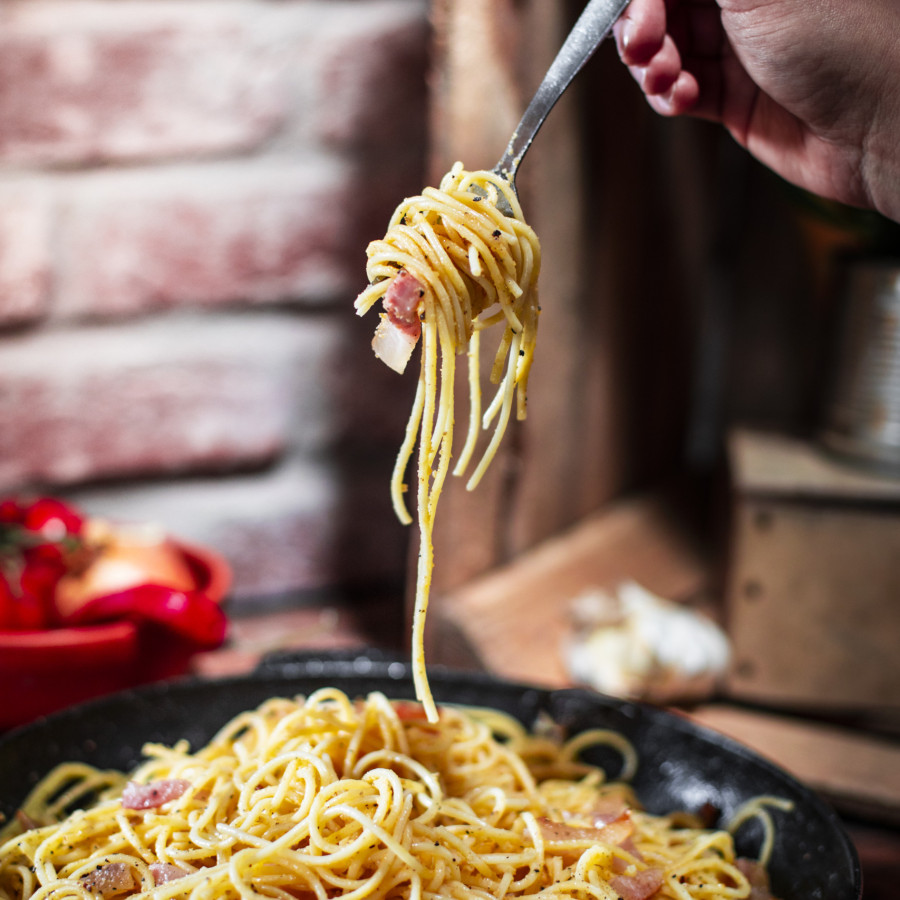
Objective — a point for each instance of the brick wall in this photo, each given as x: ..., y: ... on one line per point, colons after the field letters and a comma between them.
x: 186, y: 191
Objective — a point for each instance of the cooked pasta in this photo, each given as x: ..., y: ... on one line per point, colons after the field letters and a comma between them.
x: 326, y: 796
x: 454, y: 263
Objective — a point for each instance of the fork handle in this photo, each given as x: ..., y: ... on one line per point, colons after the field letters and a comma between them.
x: 593, y: 25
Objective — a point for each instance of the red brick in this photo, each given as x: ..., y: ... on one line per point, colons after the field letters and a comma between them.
x: 24, y: 255
x: 345, y: 535
x: 86, y: 84
x: 174, y: 395
x: 133, y: 242
x: 372, y: 81
x: 370, y: 402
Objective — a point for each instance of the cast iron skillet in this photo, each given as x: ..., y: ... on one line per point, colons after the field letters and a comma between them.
x: 682, y: 766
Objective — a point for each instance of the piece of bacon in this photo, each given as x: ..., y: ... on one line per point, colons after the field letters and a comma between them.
x: 113, y: 878
x: 617, y: 830
x: 758, y: 877
x: 399, y: 328
x: 401, y: 303
x: 640, y: 886
x: 557, y: 834
x: 153, y: 794
x: 25, y: 821
x: 392, y: 346
x: 628, y: 845
x: 608, y: 809
x: 410, y: 712
x: 164, y: 872
x: 614, y: 832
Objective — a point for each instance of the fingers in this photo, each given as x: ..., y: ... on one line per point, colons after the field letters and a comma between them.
x: 651, y: 37
x: 680, y: 98
x: 661, y: 72
x: 640, y: 31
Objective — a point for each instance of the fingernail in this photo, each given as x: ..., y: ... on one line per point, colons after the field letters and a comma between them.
x: 662, y: 103
x: 622, y: 32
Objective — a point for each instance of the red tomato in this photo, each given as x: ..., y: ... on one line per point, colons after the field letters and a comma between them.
x: 36, y: 541
x: 11, y: 512
x: 52, y: 518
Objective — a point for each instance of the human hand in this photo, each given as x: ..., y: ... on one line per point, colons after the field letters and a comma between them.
x: 809, y: 87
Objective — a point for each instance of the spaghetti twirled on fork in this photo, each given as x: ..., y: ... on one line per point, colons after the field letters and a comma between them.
x: 451, y: 266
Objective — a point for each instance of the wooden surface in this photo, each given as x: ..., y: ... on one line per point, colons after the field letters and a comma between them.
x: 858, y: 772
x: 515, y: 620
x: 778, y: 465
x: 596, y: 206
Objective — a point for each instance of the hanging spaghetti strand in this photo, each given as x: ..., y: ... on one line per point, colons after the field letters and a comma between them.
x: 451, y: 267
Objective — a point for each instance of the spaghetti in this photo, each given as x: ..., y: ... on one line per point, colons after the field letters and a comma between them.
x: 454, y: 263
x: 325, y: 796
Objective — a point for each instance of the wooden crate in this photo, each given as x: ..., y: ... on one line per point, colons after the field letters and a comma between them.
x: 813, y: 594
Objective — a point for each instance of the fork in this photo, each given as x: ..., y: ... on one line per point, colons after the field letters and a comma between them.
x: 593, y: 26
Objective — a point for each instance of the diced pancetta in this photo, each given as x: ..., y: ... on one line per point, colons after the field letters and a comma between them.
x: 615, y: 832
x: 165, y: 872
x: 109, y: 880
x: 153, y: 794
x: 756, y: 874
x: 399, y: 329
x: 393, y: 346
x: 401, y: 303
x: 629, y: 846
x: 608, y: 809
x: 640, y: 886
x: 25, y: 821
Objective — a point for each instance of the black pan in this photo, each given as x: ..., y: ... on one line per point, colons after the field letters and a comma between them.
x: 682, y: 766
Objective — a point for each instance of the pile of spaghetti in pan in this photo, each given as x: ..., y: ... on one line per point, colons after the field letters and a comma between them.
x: 323, y: 787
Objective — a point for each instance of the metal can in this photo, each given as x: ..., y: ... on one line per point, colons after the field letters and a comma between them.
x: 862, y: 417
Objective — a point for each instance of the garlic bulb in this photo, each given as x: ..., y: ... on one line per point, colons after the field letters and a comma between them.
x: 631, y: 643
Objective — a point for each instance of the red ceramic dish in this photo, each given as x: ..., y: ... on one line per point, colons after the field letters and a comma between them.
x: 42, y: 671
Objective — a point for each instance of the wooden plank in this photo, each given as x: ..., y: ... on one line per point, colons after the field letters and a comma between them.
x: 489, y: 58
x: 858, y: 773
x: 785, y: 466
x: 514, y: 622
x: 608, y: 385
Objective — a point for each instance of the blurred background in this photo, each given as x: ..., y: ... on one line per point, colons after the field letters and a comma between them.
x: 187, y: 188
x: 187, y: 192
